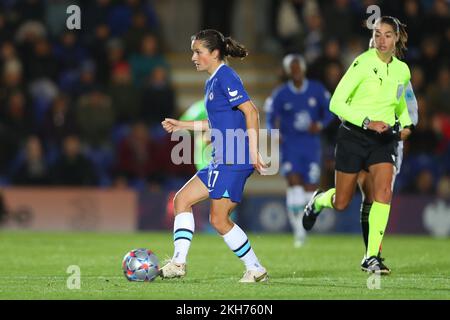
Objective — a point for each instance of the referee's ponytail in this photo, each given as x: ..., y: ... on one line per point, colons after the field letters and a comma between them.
x: 400, y: 46
x: 227, y: 47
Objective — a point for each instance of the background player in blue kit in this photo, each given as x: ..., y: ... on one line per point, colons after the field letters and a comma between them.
x: 230, y: 112
x: 300, y: 109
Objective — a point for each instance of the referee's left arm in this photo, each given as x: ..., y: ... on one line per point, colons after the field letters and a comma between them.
x: 402, y: 112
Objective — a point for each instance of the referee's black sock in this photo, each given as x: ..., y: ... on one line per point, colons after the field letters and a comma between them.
x: 365, y: 209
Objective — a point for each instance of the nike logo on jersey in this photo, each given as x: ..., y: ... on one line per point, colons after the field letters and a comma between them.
x: 232, y: 93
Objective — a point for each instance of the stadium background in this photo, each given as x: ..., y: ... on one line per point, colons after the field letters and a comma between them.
x: 81, y: 147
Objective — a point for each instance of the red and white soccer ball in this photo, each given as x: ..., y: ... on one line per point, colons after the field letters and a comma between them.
x: 140, y: 265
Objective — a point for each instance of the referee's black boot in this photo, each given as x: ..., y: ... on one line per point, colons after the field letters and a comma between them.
x: 384, y: 268
x: 371, y: 265
x: 375, y: 265
x: 310, y: 216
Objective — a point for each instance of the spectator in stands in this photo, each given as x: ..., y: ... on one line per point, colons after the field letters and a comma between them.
x: 86, y: 81
x: 314, y: 36
x: 41, y: 63
x: 143, y: 64
x: 18, y: 117
x: 69, y: 53
x: 439, y: 95
x: 331, y: 54
x: 115, y: 54
x: 73, y: 168
x: 217, y: 15
x: 133, y: 37
x: 95, y: 118
x: 339, y: 19
x: 425, y: 139
x: 429, y: 60
x: 158, y: 98
x: 125, y: 97
x: 120, y: 16
x: 138, y: 157
x: 418, y: 80
x: 423, y: 183
x: 98, y: 49
x: 33, y: 169
x: 94, y: 13
x: 413, y: 18
x: 59, y: 122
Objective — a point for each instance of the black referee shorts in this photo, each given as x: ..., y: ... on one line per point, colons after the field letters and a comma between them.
x: 358, y: 149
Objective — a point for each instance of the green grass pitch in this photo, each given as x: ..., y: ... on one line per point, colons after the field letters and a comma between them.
x: 34, y: 266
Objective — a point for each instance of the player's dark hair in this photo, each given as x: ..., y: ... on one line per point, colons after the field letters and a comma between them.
x: 228, y: 47
x: 400, y: 30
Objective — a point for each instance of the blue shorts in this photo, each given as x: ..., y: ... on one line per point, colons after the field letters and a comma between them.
x: 223, y: 182
x: 305, y: 162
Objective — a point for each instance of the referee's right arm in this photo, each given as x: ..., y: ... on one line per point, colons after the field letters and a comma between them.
x: 343, y: 92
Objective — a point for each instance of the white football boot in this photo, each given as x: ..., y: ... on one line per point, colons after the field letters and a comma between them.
x: 173, y: 270
x: 255, y: 276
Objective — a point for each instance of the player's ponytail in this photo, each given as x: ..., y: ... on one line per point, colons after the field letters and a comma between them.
x: 234, y: 49
x: 214, y: 40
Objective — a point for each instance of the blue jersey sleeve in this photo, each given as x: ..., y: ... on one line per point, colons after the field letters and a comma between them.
x: 272, y: 109
x: 324, y: 104
x: 233, y: 88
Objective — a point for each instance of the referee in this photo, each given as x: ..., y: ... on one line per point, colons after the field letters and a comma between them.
x: 368, y: 99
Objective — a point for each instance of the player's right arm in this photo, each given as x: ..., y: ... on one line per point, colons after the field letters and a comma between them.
x: 172, y: 125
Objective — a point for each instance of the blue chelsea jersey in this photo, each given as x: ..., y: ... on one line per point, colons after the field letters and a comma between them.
x: 224, y: 92
x: 296, y: 109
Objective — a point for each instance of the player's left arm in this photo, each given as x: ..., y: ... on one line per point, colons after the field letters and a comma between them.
x: 251, y: 114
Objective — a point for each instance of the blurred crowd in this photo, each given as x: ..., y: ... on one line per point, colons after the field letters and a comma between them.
x: 83, y: 107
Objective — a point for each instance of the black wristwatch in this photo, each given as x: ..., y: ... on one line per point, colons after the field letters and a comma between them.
x: 365, y: 123
x: 410, y: 127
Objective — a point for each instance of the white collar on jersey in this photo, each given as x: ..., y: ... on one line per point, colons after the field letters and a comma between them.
x: 220, y: 66
x: 294, y: 88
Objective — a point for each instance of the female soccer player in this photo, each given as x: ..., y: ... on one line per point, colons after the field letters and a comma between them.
x: 300, y: 109
x: 368, y: 99
x: 230, y: 111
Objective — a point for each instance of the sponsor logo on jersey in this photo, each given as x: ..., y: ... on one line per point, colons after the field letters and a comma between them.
x: 232, y: 93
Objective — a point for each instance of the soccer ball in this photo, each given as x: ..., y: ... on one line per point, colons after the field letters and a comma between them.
x: 140, y: 265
